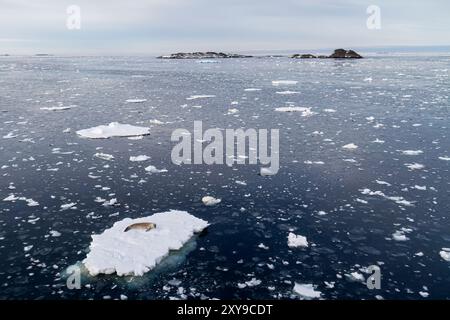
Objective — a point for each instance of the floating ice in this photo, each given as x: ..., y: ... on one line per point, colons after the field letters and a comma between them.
x: 200, y: 96
x: 355, y: 276
x: 252, y: 89
x: 114, y: 129
x: 153, y: 169
x: 306, y: 291
x: 266, y: 172
x: 396, y: 199
x: 210, y: 201
x: 287, y: 92
x: 136, y: 100
x: 136, y: 252
x: 399, y: 236
x: 139, y: 158
x: 295, y: 241
x: 414, y: 166
x: 60, y: 108
x: 68, y: 206
x: 350, y: 146
x: 412, y: 152
x: 30, y: 202
x: 445, y: 254
x: 444, y: 158
x: 284, y: 82
x: 104, y: 156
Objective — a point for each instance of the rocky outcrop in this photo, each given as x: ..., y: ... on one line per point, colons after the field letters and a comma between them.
x: 304, y: 56
x: 345, y: 54
x: 338, y: 54
x: 203, y: 55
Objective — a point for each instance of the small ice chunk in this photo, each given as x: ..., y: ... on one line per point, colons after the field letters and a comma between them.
x: 210, y: 201
x: 350, y: 146
x: 59, y: 108
x: 445, y: 254
x: 252, y: 89
x: 295, y: 241
x: 67, y: 206
x: 287, y: 92
x: 135, y: 100
x: 306, y: 291
x: 104, y: 156
x: 55, y: 233
x: 153, y: 169
x: 412, y: 152
x: 114, y: 129
x: 399, y: 236
x: 200, y: 96
x: 414, y: 166
x: 305, y: 111
x: 266, y: 172
x: 355, y: 276
x: 139, y: 158
x: 284, y: 82
x: 136, y: 252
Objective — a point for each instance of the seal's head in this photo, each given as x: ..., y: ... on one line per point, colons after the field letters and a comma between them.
x: 146, y: 226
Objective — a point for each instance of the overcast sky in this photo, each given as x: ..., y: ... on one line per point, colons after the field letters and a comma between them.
x: 163, y: 26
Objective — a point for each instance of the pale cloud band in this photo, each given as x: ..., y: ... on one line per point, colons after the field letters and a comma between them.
x: 157, y: 26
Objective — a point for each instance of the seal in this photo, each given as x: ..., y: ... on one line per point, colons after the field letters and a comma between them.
x: 147, y: 226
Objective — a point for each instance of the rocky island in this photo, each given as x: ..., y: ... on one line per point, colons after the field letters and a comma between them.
x: 203, y: 55
x: 337, y: 54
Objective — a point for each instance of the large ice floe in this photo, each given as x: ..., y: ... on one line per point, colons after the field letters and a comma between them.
x: 306, y: 291
x: 114, y: 129
x: 137, y: 251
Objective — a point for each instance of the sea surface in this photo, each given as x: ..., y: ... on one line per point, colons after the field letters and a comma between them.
x: 384, y: 203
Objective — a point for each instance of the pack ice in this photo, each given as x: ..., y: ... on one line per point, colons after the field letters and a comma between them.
x: 114, y: 129
x: 137, y: 251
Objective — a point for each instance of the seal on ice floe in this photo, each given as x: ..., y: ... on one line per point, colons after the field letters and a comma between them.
x: 147, y: 226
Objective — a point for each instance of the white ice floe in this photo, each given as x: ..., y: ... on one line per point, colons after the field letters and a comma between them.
x: 287, y: 92
x: 306, y: 291
x: 210, y: 201
x: 104, y: 156
x: 138, y: 251
x: 114, y: 129
x: 355, y: 276
x: 59, y: 108
x: 444, y: 158
x: 200, y: 96
x: 155, y: 121
x: 414, y: 166
x: 306, y: 112
x: 445, y: 254
x: 412, y: 152
x: 296, y: 241
x: 30, y: 202
x: 399, y: 235
x: 135, y: 100
x: 329, y: 110
x: 153, y: 169
x: 251, y: 283
x: 396, y: 199
x: 266, y: 172
x: 139, y: 158
x: 252, y: 89
x: 350, y: 146
x: 284, y: 82
x: 68, y: 206
x: 55, y: 233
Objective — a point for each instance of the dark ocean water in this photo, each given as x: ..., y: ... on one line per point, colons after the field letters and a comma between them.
x: 384, y: 105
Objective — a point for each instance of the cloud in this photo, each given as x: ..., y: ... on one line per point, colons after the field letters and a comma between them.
x: 159, y: 25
